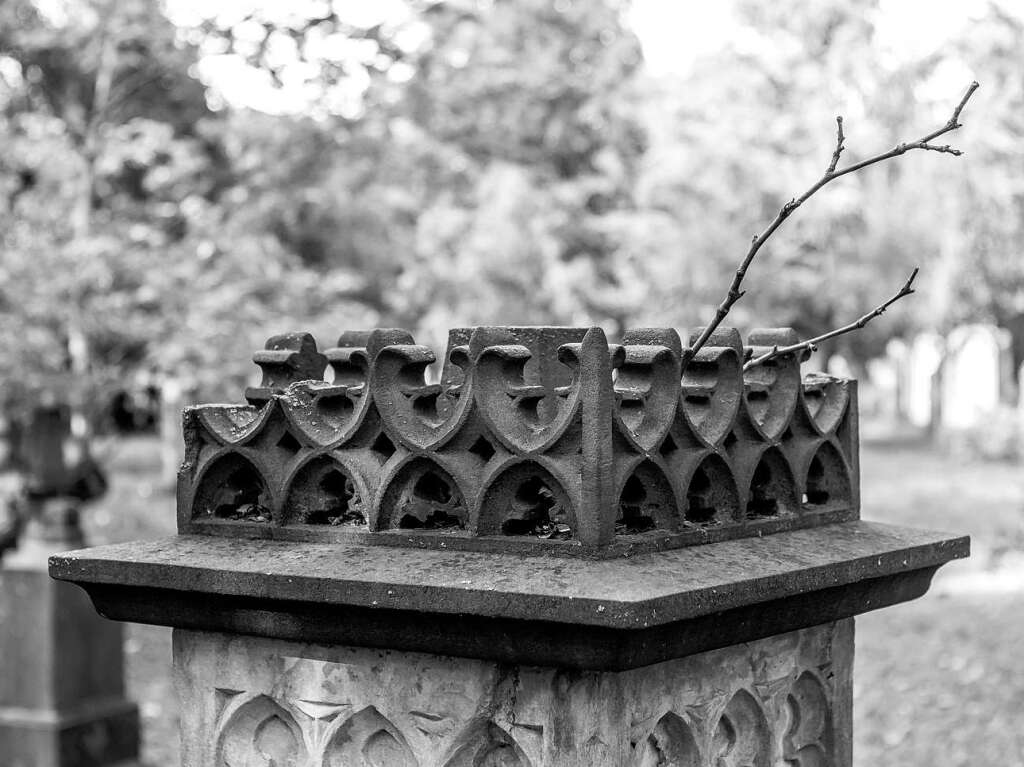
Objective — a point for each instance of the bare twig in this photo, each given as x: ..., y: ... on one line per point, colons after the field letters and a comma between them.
x: 812, y: 343
x: 126, y: 93
x: 831, y: 174
x: 840, y: 138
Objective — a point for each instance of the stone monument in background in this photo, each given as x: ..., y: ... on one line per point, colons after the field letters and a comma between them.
x: 62, y: 701
x: 12, y: 483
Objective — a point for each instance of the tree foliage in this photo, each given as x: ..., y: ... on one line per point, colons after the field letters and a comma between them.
x: 467, y: 163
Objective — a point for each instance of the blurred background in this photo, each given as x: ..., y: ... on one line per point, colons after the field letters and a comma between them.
x: 181, y: 179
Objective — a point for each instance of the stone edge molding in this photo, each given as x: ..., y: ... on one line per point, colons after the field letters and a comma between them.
x: 534, y: 440
x: 600, y: 614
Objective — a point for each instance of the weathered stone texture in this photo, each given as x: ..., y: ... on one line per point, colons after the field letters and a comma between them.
x: 535, y: 439
x: 539, y: 600
x: 245, y: 700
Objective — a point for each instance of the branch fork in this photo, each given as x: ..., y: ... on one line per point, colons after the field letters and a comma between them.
x: 833, y: 172
x: 811, y: 345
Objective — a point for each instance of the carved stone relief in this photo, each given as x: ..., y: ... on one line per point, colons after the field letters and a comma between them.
x: 266, y: 703
x: 515, y: 442
x: 808, y: 738
x: 669, y: 744
x: 367, y: 738
x: 260, y: 733
x: 490, y: 746
x: 741, y: 736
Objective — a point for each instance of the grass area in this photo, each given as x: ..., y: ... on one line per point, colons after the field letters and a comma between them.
x: 937, y: 681
x: 909, y: 484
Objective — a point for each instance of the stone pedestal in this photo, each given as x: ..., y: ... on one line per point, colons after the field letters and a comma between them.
x: 734, y: 654
x: 565, y: 554
x: 781, y: 700
x: 62, y: 701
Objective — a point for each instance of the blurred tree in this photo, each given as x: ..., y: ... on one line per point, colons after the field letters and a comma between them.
x: 534, y: 102
x: 986, y: 226
x: 129, y: 245
x: 753, y: 126
x: 469, y: 162
x: 100, y: 112
x: 483, y: 168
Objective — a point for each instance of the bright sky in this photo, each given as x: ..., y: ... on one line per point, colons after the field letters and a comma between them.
x: 673, y: 33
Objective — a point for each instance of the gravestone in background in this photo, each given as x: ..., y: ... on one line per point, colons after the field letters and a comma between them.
x: 62, y: 701
x: 564, y: 553
x: 918, y: 380
x: 961, y: 379
x: 1020, y: 410
x: 973, y: 379
x: 11, y: 484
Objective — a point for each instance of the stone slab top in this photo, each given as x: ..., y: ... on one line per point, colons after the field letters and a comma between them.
x: 636, y: 592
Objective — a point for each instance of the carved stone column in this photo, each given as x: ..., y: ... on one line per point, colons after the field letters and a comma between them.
x: 564, y: 553
x: 786, y: 697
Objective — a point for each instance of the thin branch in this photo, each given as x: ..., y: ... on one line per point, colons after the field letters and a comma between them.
x: 123, y: 94
x: 924, y: 143
x: 840, y: 138
x: 812, y: 343
x: 105, y: 69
